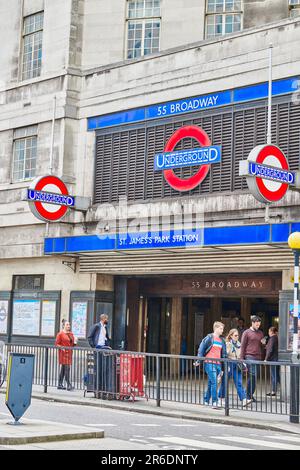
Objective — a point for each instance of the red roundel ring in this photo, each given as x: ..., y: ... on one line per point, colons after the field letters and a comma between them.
x: 266, y: 151
x: 51, y: 216
x: 190, y: 183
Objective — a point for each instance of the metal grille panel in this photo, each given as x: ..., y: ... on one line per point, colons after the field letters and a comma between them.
x: 125, y: 158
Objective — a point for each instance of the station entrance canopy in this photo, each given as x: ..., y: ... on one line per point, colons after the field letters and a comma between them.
x: 209, y: 250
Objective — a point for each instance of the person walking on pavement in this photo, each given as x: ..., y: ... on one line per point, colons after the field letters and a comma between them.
x: 272, y: 356
x: 235, y: 368
x: 252, y: 350
x: 65, y: 339
x: 213, y: 348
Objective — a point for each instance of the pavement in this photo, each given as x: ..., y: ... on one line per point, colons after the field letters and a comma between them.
x: 37, y: 431
x: 250, y: 419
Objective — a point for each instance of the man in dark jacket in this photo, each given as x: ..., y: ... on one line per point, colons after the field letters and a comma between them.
x: 98, y: 337
x: 104, y: 364
x: 272, y: 356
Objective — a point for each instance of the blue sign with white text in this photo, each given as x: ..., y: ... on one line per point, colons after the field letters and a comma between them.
x: 274, y: 174
x: 50, y: 198
x: 189, y: 105
x: 182, y: 158
x: 167, y: 239
x: 198, y: 103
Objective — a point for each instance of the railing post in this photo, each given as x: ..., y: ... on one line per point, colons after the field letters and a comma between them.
x: 158, y: 381
x: 294, y: 394
x: 46, y: 367
x: 226, y: 380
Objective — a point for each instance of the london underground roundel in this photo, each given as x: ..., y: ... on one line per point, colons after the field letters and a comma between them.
x: 49, y: 199
x: 202, y: 138
x: 268, y: 174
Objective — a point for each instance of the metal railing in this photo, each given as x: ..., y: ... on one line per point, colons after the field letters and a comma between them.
x: 108, y: 374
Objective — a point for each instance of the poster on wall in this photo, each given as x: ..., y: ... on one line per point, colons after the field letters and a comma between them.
x: 79, y: 318
x: 291, y: 327
x: 3, y: 316
x: 48, y: 317
x: 26, y: 317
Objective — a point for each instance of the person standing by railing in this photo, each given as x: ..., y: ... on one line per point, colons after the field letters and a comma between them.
x: 213, y: 347
x: 272, y: 356
x: 99, y: 339
x: 252, y: 350
x: 65, y: 338
x: 235, y: 368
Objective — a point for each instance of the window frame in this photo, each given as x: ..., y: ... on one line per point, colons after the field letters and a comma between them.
x: 24, y: 73
x: 143, y: 20
x: 224, y: 14
x: 294, y: 9
x: 41, y: 277
x: 18, y: 137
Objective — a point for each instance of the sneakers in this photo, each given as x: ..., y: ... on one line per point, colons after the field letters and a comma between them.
x: 246, y: 402
x: 61, y: 387
x: 206, y: 403
x: 216, y: 406
x: 271, y: 394
x: 70, y: 388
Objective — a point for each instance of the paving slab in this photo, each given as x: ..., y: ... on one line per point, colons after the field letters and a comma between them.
x: 37, y: 431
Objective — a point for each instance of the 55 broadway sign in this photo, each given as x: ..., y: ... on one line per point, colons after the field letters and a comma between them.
x: 203, y: 156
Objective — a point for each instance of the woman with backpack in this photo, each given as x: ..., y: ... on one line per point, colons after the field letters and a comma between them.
x: 235, y: 368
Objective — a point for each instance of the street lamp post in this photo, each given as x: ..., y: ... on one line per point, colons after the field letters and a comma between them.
x: 294, y: 244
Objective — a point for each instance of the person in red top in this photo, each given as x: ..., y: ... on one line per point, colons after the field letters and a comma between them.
x: 65, y: 338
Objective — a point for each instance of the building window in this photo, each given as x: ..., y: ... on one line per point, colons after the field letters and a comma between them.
x: 294, y: 8
x: 143, y: 27
x: 32, y: 45
x: 28, y: 282
x: 223, y: 17
x: 25, y: 150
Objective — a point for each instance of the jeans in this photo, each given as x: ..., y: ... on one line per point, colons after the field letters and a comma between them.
x: 252, y: 376
x: 212, y: 370
x: 235, y: 373
x: 275, y: 376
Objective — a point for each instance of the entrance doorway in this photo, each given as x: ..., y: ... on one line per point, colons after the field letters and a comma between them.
x: 171, y: 314
x: 197, y: 318
x: 158, y: 325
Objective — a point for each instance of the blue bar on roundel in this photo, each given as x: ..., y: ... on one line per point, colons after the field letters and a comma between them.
x: 184, y: 158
